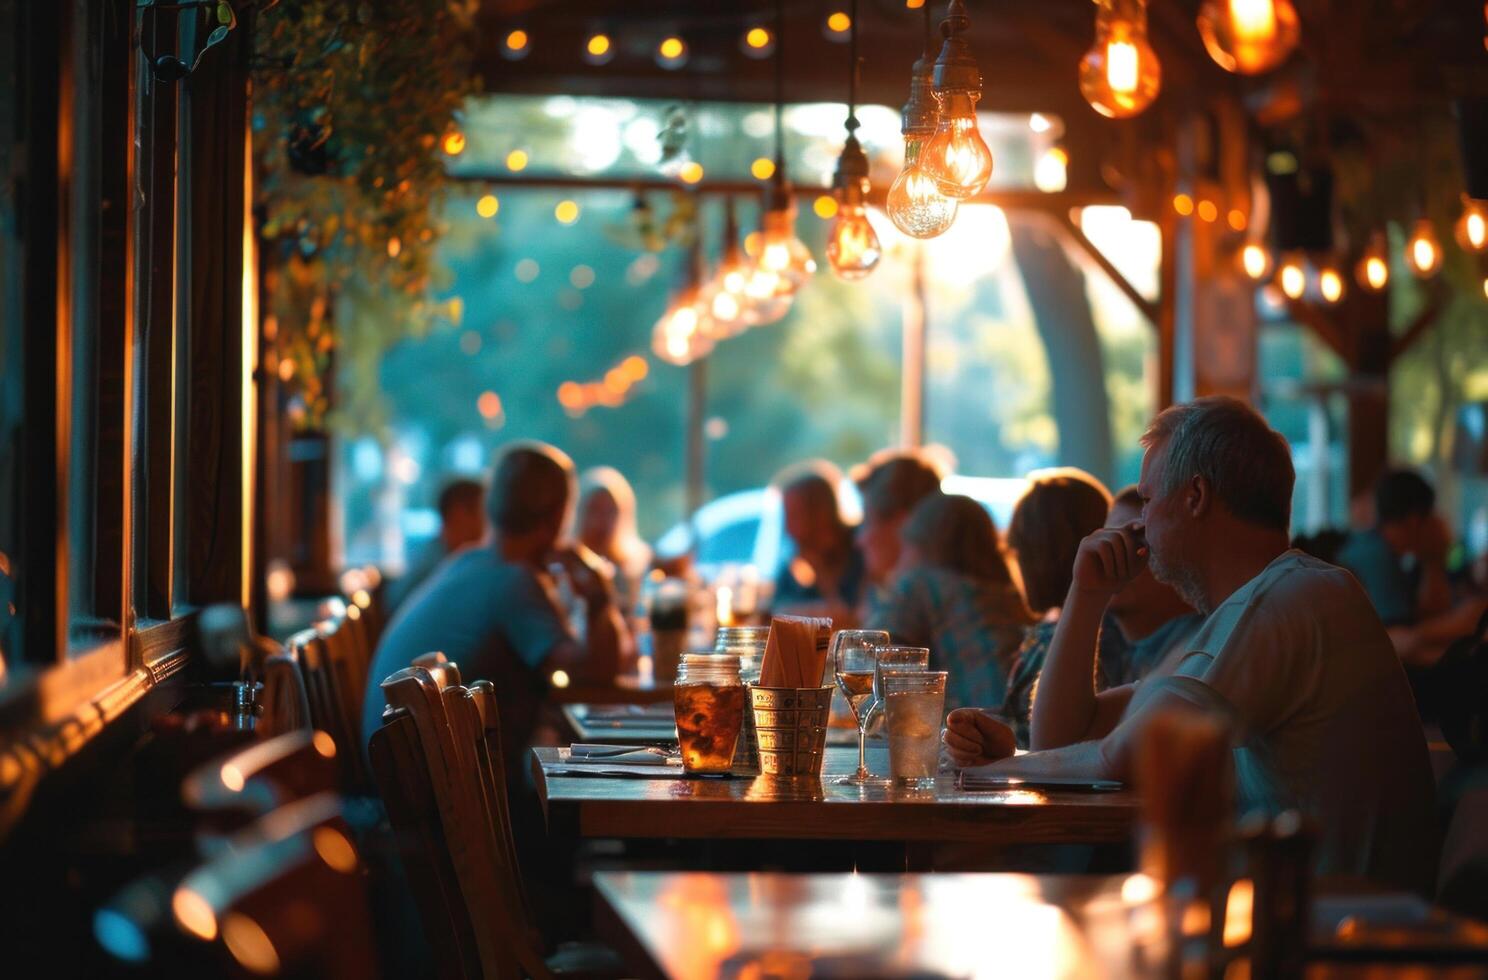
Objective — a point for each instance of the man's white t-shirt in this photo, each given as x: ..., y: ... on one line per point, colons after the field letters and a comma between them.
x: 1325, y: 720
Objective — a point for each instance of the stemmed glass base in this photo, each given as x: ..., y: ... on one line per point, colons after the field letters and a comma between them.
x: 863, y: 777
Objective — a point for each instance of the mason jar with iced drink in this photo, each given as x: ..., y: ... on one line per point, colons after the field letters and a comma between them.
x: 709, y: 702
x: 914, y: 704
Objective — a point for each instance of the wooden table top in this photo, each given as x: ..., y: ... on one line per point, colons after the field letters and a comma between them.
x: 700, y: 926
x: 764, y: 807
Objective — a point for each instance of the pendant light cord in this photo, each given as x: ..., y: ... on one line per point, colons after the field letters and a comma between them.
x: 780, y: 89
x: 851, y: 82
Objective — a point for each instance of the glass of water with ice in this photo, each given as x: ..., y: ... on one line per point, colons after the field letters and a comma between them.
x: 913, y: 705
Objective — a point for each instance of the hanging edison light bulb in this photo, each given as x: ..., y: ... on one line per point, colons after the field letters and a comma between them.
x: 784, y: 264
x: 1120, y: 74
x: 1373, y: 271
x: 1255, y: 261
x: 685, y: 331
x: 915, y: 203
x: 1291, y: 276
x: 1249, y: 37
x: 853, y: 249
x: 1472, y: 227
x: 1423, y: 253
x: 724, y: 293
x: 956, y: 156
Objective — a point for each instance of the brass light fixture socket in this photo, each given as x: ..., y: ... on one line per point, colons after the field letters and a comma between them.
x: 955, y: 68
x: 920, y: 113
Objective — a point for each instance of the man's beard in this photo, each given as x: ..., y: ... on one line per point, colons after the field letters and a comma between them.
x: 1183, y: 577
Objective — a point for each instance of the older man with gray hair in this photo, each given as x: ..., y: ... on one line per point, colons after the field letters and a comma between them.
x: 1291, y: 654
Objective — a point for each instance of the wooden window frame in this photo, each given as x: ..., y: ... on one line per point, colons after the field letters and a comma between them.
x: 182, y: 376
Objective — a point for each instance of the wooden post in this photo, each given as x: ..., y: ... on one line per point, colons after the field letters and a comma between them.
x: 912, y: 376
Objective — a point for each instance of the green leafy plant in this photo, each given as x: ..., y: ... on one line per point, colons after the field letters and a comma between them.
x: 354, y: 108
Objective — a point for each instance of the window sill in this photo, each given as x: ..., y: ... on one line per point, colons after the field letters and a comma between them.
x: 47, y: 717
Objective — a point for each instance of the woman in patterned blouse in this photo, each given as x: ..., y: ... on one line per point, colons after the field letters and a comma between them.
x: 1060, y: 507
x: 955, y: 594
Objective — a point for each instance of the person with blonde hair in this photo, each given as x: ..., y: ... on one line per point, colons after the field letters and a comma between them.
x: 955, y: 594
x: 606, y: 525
x: 1059, y: 508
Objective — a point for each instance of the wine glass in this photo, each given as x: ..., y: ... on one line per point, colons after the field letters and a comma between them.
x: 854, y: 655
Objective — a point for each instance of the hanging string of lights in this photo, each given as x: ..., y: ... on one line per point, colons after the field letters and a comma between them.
x: 947, y: 160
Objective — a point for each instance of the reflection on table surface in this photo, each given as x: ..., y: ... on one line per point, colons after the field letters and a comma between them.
x: 696, y: 925
x: 818, y: 808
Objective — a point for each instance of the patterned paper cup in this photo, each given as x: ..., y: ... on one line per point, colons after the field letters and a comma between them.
x: 790, y: 725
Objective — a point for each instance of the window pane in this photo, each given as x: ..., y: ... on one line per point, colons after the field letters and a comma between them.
x: 97, y: 252
x: 12, y: 386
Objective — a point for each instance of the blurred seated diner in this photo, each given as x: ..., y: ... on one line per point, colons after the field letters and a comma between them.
x: 955, y: 595
x: 1401, y: 561
x: 1058, y: 509
x: 891, y: 483
x: 493, y: 609
x: 826, y: 574
x: 462, y: 522
x: 606, y: 525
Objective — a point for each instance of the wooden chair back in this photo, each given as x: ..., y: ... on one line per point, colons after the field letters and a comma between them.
x: 466, y: 778
x: 321, y: 654
x: 288, y: 898
x: 284, y: 701
x: 421, y: 848
x: 440, y: 669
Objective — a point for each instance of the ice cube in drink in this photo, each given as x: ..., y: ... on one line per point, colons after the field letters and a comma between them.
x: 709, y: 717
x: 913, y: 722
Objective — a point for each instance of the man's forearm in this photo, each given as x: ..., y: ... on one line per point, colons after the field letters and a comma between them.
x: 1064, y: 705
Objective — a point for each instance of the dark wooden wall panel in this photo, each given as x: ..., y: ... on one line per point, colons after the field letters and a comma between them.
x: 214, y: 464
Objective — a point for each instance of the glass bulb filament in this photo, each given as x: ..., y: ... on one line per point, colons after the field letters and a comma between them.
x: 1121, y: 64
x: 956, y: 156
x: 915, y: 203
x: 853, y: 248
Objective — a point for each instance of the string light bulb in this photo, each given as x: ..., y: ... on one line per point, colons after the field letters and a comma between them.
x: 1330, y: 285
x: 1423, y: 253
x: 915, y: 204
x: 853, y: 249
x: 1255, y: 261
x: 957, y: 156
x: 1472, y: 227
x: 1373, y: 271
x: 1051, y: 172
x: 1120, y: 74
x: 1249, y: 37
x: 1292, y: 276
